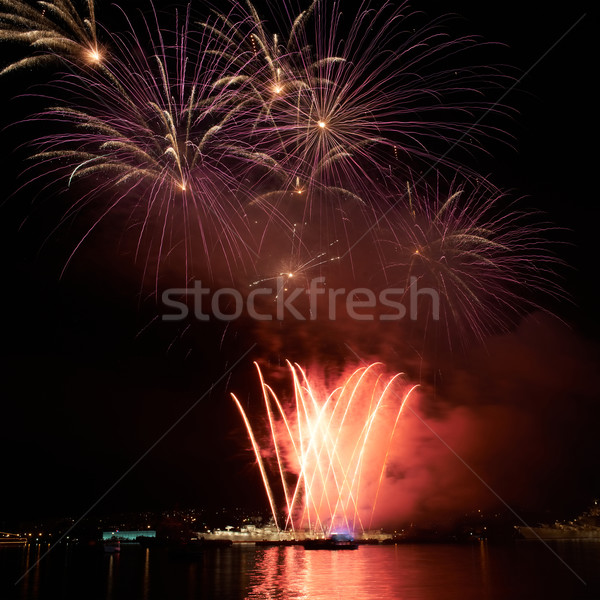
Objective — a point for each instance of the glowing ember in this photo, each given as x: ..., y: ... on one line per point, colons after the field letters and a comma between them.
x: 94, y: 55
x: 329, y: 449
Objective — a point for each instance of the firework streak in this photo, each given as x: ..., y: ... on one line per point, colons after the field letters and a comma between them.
x: 329, y: 449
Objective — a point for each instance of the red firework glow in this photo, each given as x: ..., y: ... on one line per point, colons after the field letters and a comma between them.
x: 330, y: 448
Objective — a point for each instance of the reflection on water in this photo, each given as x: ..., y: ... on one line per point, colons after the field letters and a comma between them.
x: 146, y: 580
x: 485, y: 568
x: 526, y: 570
x: 293, y: 573
x: 110, y: 578
x: 31, y: 565
x: 426, y: 572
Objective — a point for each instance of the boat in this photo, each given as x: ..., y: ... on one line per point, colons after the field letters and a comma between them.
x: 337, y: 541
x: 584, y: 527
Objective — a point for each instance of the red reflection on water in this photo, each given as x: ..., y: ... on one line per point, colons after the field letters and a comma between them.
x: 293, y: 572
x: 404, y: 572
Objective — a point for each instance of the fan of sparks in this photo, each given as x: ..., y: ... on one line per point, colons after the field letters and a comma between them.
x: 329, y: 449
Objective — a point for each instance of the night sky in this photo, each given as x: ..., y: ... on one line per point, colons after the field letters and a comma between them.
x: 91, y: 379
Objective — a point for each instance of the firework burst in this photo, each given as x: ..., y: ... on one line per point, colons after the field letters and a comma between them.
x: 148, y: 133
x: 487, y: 260
x: 344, y: 103
x: 53, y: 30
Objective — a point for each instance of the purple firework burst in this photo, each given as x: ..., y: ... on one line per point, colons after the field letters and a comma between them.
x: 487, y: 260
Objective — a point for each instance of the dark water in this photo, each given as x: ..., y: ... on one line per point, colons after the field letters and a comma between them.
x: 481, y: 571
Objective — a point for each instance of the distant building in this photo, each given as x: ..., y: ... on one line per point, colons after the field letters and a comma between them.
x: 127, y: 536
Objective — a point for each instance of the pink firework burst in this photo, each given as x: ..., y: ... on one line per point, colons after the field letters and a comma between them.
x: 147, y: 133
x: 344, y: 103
x: 487, y: 260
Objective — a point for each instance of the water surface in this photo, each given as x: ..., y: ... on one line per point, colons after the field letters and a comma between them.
x: 479, y: 571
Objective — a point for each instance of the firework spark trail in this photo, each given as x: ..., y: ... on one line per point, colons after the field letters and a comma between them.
x: 53, y: 29
x: 351, y: 99
x: 261, y: 466
x: 291, y: 270
x: 146, y: 128
x: 267, y: 66
x: 339, y: 107
x: 486, y: 259
x: 331, y: 448
x: 389, y: 448
x: 328, y: 450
